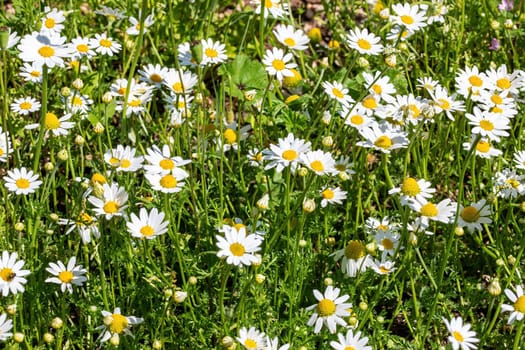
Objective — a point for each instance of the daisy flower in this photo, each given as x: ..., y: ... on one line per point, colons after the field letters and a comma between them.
x: 499, y: 79
x: 370, y: 104
x: 85, y: 224
x: 22, y: 181
x: 488, y: 124
x: 278, y: 64
x: 112, y: 202
x: 353, y: 258
x: 110, y: 12
x: 443, y: 212
x: 147, y: 225
x: 162, y: 162
x: 330, y: 310
x: 427, y: 83
x: 474, y: 215
x: 519, y: 159
x: 123, y: 159
x: 255, y: 157
x: 380, y: 86
x: 413, y: 190
x: 66, y: 276
x: 320, y: 162
x: 356, y: 117
x: 286, y: 153
x: 387, y: 242
x: 490, y: 100
x: 171, y: 182
x: 136, y: 102
x: 178, y: 105
x: 105, y: 45
x: 460, y: 334
x: 5, y: 328
x: 25, y: 105
x: 338, y: 92
x: 445, y: 103
x: 409, y: 16
x: 179, y: 81
x: 364, y: 42
x: 274, y: 344
x: 483, y: 148
x: 383, y: 267
x: 273, y: 8
x: 116, y: 324
x: 374, y: 226
x: 237, y: 224
x: 344, y: 167
x: 12, y: 40
x: 332, y: 195
x: 350, y: 341
x: 213, y: 52
x: 5, y: 145
x: 31, y: 72
x: 517, y: 309
x: 237, y: 247
x: 509, y: 185
x: 231, y: 135
x: 291, y: 38
x: 53, y: 124
x: 52, y: 21
x: 134, y: 29
x: 184, y: 55
x: 383, y: 138
x: 252, y: 339
x: 153, y: 74
x: 41, y: 49
x: 79, y: 103
x: 11, y: 274
x: 470, y: 82
x: 435, y: 11
x: 82, y: 47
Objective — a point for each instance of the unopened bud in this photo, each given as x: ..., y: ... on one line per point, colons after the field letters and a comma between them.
x: 363, y: 305
x: 19, y: 226
x: 192, y: 280
x: 494, y: 288
x: 362, y: 62
x: 49, y: 166
x: 63, y: 155
x: 315, y: 35
x: 227, y: 342
x: 65, y: 91
x: 180, y: 296
x: 78, y: 84
x: 107, y: 97
x: 157, y: 345
x: 328, y: 141
x: 57, y: 323
x: 309, y: 205
x: 98, y: 128
x: 511, y: 259
x: 391, y: 60
x: 259, y: 278
x: 494, y: 24
x: 458, y: 231
x: 11, y: 309
x: 79, y: 140
x: 328, y: 281
x: 114, y: 340
x: 49, y: 338
x: 302, y: 171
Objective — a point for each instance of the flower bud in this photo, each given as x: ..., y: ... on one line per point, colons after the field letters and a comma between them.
x: 391, y: 60
x: 79, y: 140
x: 458, y: 231
x: 192, y: 280
x: 259, y: 278
x: 326, y: 118
x: 49, y: 166
x: 494, y: 288
x: 18, y: 337
x: 302, y: 243
x: 65, y: 91
x: 114, y: 340
x: 352, y: 321
x: 62, y: 155
x: 315, y: 35
x: 157, y: 345
x: 334, y: 45
x: 384, y: 13
x: 11, y: 309
x: 494, y: 24
x: 294, y: 80
x: 362, y: 62
x: 49, y: 338
x: 107, y: 97
x: 227, y: 342
x: 180, y: 296
x: 78, y: 84
x: 328, y: 281
x: 328, y: 141
x: 98, y: 128
x: 511, y: 259
x: 309, y: 205
x: 508, y: 24
x: 168, y: 293
x: 57, y: 323
x: 302, y: 171
x: 54, y: 217
x: 19, y: 226
x: 264, y: 202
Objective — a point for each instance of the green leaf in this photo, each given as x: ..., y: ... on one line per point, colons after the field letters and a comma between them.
x: 243, y: 74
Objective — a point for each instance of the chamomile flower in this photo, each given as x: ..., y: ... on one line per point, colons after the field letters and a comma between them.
x: 338, y: 92
x: 356, y: 117
x: 31, y: 72
x: 237, y: 247
x: 85, y: 224
x: 79, y: 103
x: 255, y: 157
x: 110, y: 12
x: 517, y: 309
x: 54, y: 125
x: 238, y: 224
x: 11, y: 274
x: 66, y: 276
x: 413, y: 190
x: 153, y: 74
x: 501, y: 80
x: 273, y: 8
x: 13, y: 39
x: 409, y: 16
x: 320, y: 162
x: 374, y: 226
x: 179, y: 105
x: 162, y: 162
x: 42, y: 49
x: 167, y: 183
x: 180, y: 82
x: 22, y: 181
x: 387, y: 242
x: 380, y: 86
x: 488, y: 124
x: 123, y: 159
x: 291, y: 38
x: 427, y: 83
x: 350, y: 341
x: 213, y: 52
x: 184, y: 55
x: 443, y: 212
x: 443, y: 102
x: 470, y: 82
x: 5, y: 145
x: 507, y: 184
x: 147, y: 225
x: 435, y: 11
x: 112, y: 202
x: 252, y: 339
x: 353, y: 258
x: 330, y: 309
x: 52, y: 22
x: 105, y: 45
x: 383, y: 138
x: 274, y: 344
x: 344, y: 167
x: 278, y: 64
x: 474, y: 215
x: 232, y: 135
x: 460, y: 334
x: 134, y: 29
x: 484, y: 149
x: 492, y: 99
x: 519, y: 159
x: 332, y: 195
x: 116, y: 324
x: 286, y: 153
x: 25, y: 105
x: 383, y: 267
x: 82, y: 47
x: 136, y: 103
x: 364, y: 42
x: 5, y: 328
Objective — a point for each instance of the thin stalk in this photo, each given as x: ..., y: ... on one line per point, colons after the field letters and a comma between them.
x: 43, y: 112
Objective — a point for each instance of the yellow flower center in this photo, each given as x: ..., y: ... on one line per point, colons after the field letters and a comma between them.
x: 46, y: 51
x: 66, y: 276
x: 289, y: 154
x: 444, y: 104
x: 51, y: 121
x: 370, y: 102
x: 98, y: 177
x: 429, y: 210
x: 383, y: 269
x: 105, y: 43
x: 337, y: 93
x: 317, y: 165
x: 410, y: 187
x: 496, y: 110
x: 496, y: 99
x: 82, y: 48
x: 177, y: 87
x: 22, y: 183
x: 114, y: 162
x: 289, y: 42
x: 519, y: 305
x: 483, y: 146
x: 210, y: 52
x: 237, y: 249
x: 122, y: 90
x: 125, y: 163
x: 326, y: 307
x: 383, y: 142
x: 387, y: 243
x: 35, y: 73
x: 268, y: 4
x: 407, y: 19
x: 111, y: 207
x: 239, y: 226
x: 168, y: 181
x: 167, y: 164
x: 278, y: 64
x: 135, y: 103
x: 415, y: 112
x: 513, y: 183
x: 377, y: 89
x: 7, y: 274
x: 364, y: 44
x: 470, y: 214
x: 474, y: 80
x: 230, y: 136
x: 84, y: 219
x: 486, y: 125
x: 357, y: 119
x: 354, y: 250
x: 1, y: 152
x: 118, y: 323
x: 503, y: 83
x: 458, y: 336
x: 77, y: 101
x: 250, y: 344
x: 328, y: 194
x: 26, y: 105
x: 155, y: 78
x: 147, y: 231
x: 49, y: 23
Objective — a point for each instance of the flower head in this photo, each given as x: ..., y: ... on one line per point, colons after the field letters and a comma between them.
x: 116, y: 324
x: 237, y: 247
x: 22, y: 181
x: 460, y: 334
x: 329, y: 310
x: 66, y: 276
x: 11, y: 274
x: 517, y: 308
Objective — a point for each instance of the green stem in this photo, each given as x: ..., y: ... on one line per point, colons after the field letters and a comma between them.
x: 43, y: 112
